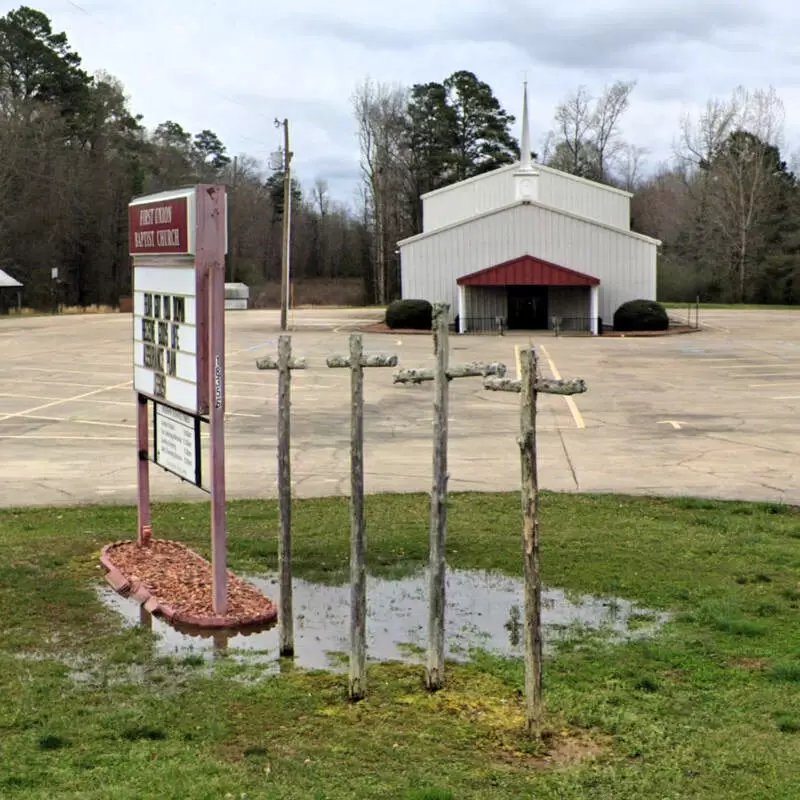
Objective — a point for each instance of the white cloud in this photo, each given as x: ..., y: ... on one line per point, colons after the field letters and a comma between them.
x: 234, y: 65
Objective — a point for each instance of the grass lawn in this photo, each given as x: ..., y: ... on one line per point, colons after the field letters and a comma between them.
x: 732, y: 306
x: 710, y: 708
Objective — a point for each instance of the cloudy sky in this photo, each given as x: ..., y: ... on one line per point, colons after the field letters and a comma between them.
x: 234, y: 65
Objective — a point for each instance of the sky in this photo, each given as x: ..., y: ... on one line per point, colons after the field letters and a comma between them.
x: 235, y: 65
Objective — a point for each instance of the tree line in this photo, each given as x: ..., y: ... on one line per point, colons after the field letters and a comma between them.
x: 75, y: 154
x: 726, y: 206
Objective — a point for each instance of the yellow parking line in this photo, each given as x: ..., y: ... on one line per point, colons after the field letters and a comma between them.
x: 571, y: 404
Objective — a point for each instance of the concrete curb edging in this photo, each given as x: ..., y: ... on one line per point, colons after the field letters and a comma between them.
x: 139, y: 592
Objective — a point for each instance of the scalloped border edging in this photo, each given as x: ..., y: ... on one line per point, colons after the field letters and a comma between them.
x: 139, y: 592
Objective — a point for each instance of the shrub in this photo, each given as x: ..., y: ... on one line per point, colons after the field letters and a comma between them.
x: 410, y: 314
x: 641, y: 315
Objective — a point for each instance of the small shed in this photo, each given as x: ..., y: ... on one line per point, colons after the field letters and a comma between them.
x: 8, y: 283
x: 237, y: 296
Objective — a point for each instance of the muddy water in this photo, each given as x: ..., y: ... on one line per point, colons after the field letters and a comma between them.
x: 483, y: 611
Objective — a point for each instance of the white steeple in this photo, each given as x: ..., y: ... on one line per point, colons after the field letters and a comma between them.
x: 526, y: 178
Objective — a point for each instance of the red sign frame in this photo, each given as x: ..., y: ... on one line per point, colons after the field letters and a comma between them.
x: 200, y: 217
x: 160, y: 227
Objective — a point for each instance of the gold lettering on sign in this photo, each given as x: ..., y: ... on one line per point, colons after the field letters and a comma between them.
x: 169, y: 238
x: 161, y: 215
x: 143, y: 239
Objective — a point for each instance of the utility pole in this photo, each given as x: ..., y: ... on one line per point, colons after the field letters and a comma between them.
x: 231, y: 219
x: 287, y: 221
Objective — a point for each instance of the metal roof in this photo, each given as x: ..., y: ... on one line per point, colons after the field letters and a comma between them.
x: 527, y: 271
x: 7, y: 282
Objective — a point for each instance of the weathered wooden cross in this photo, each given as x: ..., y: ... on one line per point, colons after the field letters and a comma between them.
x: 441, y: 376
x: 530, y: 385
x: 284, y: 365
x: 358, y: 540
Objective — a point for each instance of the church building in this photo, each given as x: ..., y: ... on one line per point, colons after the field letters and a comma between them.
x: 529, y: 247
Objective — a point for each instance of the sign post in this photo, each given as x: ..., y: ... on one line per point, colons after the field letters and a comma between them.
x: 178, y: 241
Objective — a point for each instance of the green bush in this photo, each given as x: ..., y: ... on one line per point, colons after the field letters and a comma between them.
x: 641, y: 315
x: 414, y: 315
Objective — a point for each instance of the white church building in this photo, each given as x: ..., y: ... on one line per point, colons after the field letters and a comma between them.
x: 526, y: 244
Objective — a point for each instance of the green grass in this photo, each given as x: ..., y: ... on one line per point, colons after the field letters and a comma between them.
x: 708, y: 709
x: 731, y: 306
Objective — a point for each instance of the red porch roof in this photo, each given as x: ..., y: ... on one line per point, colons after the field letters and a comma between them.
x: 527, y: 271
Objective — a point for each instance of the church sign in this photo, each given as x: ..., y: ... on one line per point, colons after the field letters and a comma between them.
x: 178, y: 241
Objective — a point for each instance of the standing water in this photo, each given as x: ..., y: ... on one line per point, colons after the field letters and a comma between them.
x: 484, y: 610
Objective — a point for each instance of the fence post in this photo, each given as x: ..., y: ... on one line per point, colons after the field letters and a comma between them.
x: 530, y: 544
x: 357, y: 688
x: 529, y: 385
x: 358, y: 543
x: 434, y: 677
x: 284, y: 365
x: 285, y: 495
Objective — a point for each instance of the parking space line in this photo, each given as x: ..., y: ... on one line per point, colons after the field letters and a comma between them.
x: 57, y: 438
x: 65, y: 400
x: 59, y: 370
x: 38, y: 381
x: 787, y: 397
x: 78, y: 421
x: 757, y: 366
x: 772, y: 384
x: 571, y: 404
x: 765, y: 375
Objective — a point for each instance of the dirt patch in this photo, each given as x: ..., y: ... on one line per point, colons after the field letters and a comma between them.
x: 754, y: 664
x: 565, y: 750
x: 558, y: 750
x: 175, y: 582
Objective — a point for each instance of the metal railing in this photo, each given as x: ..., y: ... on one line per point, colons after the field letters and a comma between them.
x: 483, y: 325
x: 567, y: 325
x: 558, y: 325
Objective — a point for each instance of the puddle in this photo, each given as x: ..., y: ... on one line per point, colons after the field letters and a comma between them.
x: 483, y: 611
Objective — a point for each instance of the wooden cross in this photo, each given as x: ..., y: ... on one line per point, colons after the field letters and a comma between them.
x: 441, y: 376
x: 530, y: 385
x: 284, y: 365
x: 358, y: 541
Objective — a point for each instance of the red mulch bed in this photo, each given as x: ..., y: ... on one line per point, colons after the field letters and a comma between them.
x: 174, y: 582
x: 673, y: 330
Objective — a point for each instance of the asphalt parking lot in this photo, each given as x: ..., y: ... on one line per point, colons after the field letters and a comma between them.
x: 712, y: 414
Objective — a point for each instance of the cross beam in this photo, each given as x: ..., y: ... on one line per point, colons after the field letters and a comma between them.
x: 284, y: 366
x: 541, y: 385
x: 356, y: 363
x: 474, y: 369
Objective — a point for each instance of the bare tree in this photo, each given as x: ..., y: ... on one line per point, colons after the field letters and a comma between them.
x: 630, y: 163
x: 587, y: 140
x: 573, y: 120
x: 605, y: 134
x: 380, y: 111
x: 732, y: 159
